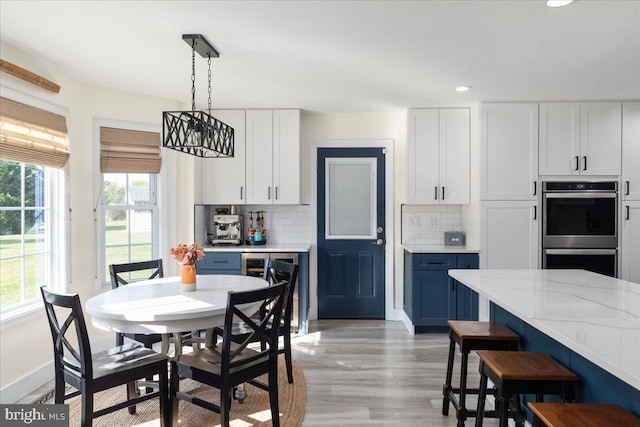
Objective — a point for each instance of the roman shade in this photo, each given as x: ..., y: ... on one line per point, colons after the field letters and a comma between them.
x: 31, y: 135
x: 129, y: 151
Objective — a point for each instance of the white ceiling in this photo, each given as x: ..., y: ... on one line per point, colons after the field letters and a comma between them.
x: 340, y: 56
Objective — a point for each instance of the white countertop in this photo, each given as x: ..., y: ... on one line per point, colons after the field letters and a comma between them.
x: 596, y: 316
x: 281, y: 247
x: 439, y: 249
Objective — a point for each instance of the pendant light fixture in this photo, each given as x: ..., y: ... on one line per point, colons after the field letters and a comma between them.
x: 197, y: 132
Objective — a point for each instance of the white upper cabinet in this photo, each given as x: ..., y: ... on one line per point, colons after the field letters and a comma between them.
x: 273, y: 156
x: 559, y: 139
x: 631, y: 151
x: 223, y: 179
x: 438, y: 156
x: 580, y: 139
x: 286, y: 157
x: 509, y: 150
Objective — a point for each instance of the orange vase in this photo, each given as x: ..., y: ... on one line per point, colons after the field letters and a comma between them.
x: 188, y: 275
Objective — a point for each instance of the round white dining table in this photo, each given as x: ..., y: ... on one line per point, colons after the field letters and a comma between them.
x: 159, y: 306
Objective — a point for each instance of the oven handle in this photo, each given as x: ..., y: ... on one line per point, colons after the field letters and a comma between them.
x: 581, y: 195
x: 580, y: 251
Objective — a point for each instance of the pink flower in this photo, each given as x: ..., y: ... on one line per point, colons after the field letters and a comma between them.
x: 187, y: 254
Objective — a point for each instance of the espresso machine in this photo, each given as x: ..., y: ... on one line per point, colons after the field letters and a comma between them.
x: 227, y: 229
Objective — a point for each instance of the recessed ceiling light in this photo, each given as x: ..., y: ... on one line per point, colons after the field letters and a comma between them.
x: 558, y: 3
x: 463, y: 88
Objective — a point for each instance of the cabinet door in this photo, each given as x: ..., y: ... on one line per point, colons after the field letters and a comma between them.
x: 223, y: 180
x: 455, y: 138
x: 630, y: 252
x: 422, y: 157
x: 286, y: 157
x: 434, y: 298
x: 631, y: 151
x: 259, y: 156
x: 600, y: 138
x: 559, y: 139
x: 511, y: 235
x: 509, y: 151
x: 466, y: 298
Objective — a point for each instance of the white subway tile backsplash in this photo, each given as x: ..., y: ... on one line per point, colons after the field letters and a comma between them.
x: 432, y: 221
x: 284, y: 224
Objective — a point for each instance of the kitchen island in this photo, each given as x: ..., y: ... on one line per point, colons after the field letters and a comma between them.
x: 588, y: 322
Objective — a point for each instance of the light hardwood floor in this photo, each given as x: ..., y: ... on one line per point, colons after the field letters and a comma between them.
x: 371, y: 373
x: 374, y: 373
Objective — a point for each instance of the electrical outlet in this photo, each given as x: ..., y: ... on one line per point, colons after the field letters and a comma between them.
x: 414, y: 221
x: 433, y: 221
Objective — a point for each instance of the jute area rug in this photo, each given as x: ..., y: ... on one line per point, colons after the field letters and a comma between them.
x: 253, y: 412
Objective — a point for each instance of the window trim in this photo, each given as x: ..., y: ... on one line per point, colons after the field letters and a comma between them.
x: 61, y: 232
x: 98, y: 211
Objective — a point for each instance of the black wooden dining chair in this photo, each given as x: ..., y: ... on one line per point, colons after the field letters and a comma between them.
x: 151, y: 270
x: 274, y: 272
x: 88, y: 374
x: 230, y: 364
x: 148, y: 270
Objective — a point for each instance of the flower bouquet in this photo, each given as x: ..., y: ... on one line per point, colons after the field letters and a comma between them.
x: 187, y: 255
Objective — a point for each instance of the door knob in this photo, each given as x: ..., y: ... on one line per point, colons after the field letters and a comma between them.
x: 378, y: 242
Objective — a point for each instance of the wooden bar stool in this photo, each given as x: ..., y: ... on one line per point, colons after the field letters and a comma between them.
x: 521, y: 372
x: 581, y: 414
x: 471, y: 335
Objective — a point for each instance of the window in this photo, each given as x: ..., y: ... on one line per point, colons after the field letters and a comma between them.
x: 129, y: 219
x: 28, y: 230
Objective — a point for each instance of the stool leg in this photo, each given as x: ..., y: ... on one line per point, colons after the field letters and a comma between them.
x: 462, y: 407
x: 536, y: 422
x: 446, y: 389
x: 504, y: 412
x: 482, y: 396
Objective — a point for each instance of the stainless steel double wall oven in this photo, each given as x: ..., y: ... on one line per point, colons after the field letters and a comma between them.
x: 580, y: 226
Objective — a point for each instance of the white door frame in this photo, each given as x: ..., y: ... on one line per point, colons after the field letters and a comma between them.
x: 387, y: 144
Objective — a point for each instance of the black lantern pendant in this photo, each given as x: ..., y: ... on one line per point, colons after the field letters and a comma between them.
x: 196, y: 132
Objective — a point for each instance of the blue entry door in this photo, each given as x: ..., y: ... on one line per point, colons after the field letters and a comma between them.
x: 351, y: 234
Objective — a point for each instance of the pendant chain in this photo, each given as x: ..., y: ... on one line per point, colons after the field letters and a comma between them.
x: 209, y: 84
x: 193, y: 75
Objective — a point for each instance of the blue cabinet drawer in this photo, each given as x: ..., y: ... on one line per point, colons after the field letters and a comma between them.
x: 220, y: 261
x: 433, y: 262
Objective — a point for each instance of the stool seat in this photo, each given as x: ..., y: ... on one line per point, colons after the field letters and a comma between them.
x: 509, y: 365
x: 472, y: 335
x: 516, y: 373
x: 583, y: 415
x: 493, y: 331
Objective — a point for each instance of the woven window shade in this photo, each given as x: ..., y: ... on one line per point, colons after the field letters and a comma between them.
x: 129, y: 151
x: 31, y: 135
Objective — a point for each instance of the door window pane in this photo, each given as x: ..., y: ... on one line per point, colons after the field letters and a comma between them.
x: 351, y: 198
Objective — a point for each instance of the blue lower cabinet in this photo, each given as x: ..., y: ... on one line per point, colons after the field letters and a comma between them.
x: 431, y: 297
x: 220, y: 263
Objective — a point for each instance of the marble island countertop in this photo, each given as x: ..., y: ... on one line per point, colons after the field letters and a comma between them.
x: 269, y: 247
x: 596, y: 316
